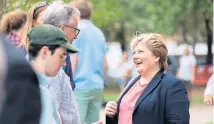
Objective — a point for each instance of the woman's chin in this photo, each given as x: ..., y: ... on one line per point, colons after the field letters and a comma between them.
x: 140, y: 71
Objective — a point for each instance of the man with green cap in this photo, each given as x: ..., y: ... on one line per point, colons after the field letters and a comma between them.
x: 65, y: 17
x: 47, y: 52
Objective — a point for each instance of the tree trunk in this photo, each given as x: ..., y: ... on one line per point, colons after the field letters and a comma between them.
x: 183, y: 23
x: 3, y: 4
x: 184, y: 32
x: 209, y: 42
x: 195, y: 23
x: 121, y: 36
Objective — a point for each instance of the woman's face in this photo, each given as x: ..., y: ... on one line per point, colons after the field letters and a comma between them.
x: 39, y: 19
x: 144, y: 59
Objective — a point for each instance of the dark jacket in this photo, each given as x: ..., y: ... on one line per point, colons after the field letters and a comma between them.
x: 68, y: 71
x: 164, y: 101
x: 22, y: 104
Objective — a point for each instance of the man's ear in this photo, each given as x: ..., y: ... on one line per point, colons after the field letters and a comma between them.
x: 62, y: 27
x: 44, y: 52
x: 34, y: 23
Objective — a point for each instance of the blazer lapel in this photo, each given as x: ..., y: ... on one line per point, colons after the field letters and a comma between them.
x: 129, y: 85
x: 151, y: 86
x: 126, y: 89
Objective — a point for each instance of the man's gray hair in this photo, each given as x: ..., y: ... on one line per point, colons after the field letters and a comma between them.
x: 59, y: 13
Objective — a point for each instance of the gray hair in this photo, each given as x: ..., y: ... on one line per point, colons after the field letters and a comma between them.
x: 59, y: 13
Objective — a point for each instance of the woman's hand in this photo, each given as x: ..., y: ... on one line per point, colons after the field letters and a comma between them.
x: 208, y: 100
x: 98, y: 122
x: 111, y: 108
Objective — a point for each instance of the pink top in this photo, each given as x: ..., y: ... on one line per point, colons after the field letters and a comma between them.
x: 128, y: 102
x: 15, y: 39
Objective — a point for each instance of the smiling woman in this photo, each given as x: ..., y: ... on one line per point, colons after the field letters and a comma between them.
x: 150, y: 49
x: 154, y: 97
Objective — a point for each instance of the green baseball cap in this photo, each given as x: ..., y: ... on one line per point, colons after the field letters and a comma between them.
x: 46, y: 34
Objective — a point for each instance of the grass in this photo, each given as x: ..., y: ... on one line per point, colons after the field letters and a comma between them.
x: 111, y: 95
x: 197, y: 99
x: 210, y: 122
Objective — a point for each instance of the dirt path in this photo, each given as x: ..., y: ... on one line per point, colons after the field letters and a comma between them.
x: 201, y: 114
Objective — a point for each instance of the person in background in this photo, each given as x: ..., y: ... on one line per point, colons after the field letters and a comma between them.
x: 126, y: 69
x: 209, y: 92
x: 34, y: 18
x: 185, y: 72
x: 65, y: 17
x: 153, y: 97
x: 172, y: 65
x: 21, y: 102
x: 88, y: 65
x: 12, y: 25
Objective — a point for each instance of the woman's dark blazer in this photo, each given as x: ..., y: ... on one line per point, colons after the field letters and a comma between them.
x: 164, y: 101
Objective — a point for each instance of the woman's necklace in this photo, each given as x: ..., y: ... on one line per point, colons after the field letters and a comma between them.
x: 142, y: 82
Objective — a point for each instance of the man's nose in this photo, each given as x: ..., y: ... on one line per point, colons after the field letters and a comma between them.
x: 75, y: 37
x: 63, y: 63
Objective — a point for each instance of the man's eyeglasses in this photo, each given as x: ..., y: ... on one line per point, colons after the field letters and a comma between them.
x: 40, y: 5
x: 77, y: 31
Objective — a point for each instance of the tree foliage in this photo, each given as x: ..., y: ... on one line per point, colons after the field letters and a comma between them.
x: 190, y: 20
x: 168, y: 16
x: 2, y: 6
x: 181, y: 17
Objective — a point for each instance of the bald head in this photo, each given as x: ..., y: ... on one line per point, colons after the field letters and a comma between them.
x: 186, y: 52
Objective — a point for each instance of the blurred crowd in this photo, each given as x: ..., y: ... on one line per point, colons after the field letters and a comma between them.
x: 53, y: 63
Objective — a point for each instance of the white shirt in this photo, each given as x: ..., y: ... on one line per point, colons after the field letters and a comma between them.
x: 210, y: 86
x: 186, y: 66
x: 49, y: 112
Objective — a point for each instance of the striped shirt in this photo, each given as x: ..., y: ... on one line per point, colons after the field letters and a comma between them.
x: 61, y: 91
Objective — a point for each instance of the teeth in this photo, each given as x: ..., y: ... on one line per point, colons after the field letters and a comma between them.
x: 139, y: 62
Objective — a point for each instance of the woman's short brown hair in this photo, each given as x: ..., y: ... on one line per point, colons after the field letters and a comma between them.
x: 84, y: 7
x: 155, y: 43
x: 14, y: 20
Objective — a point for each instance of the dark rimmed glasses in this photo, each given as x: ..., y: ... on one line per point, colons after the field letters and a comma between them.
x: 77, y: 31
